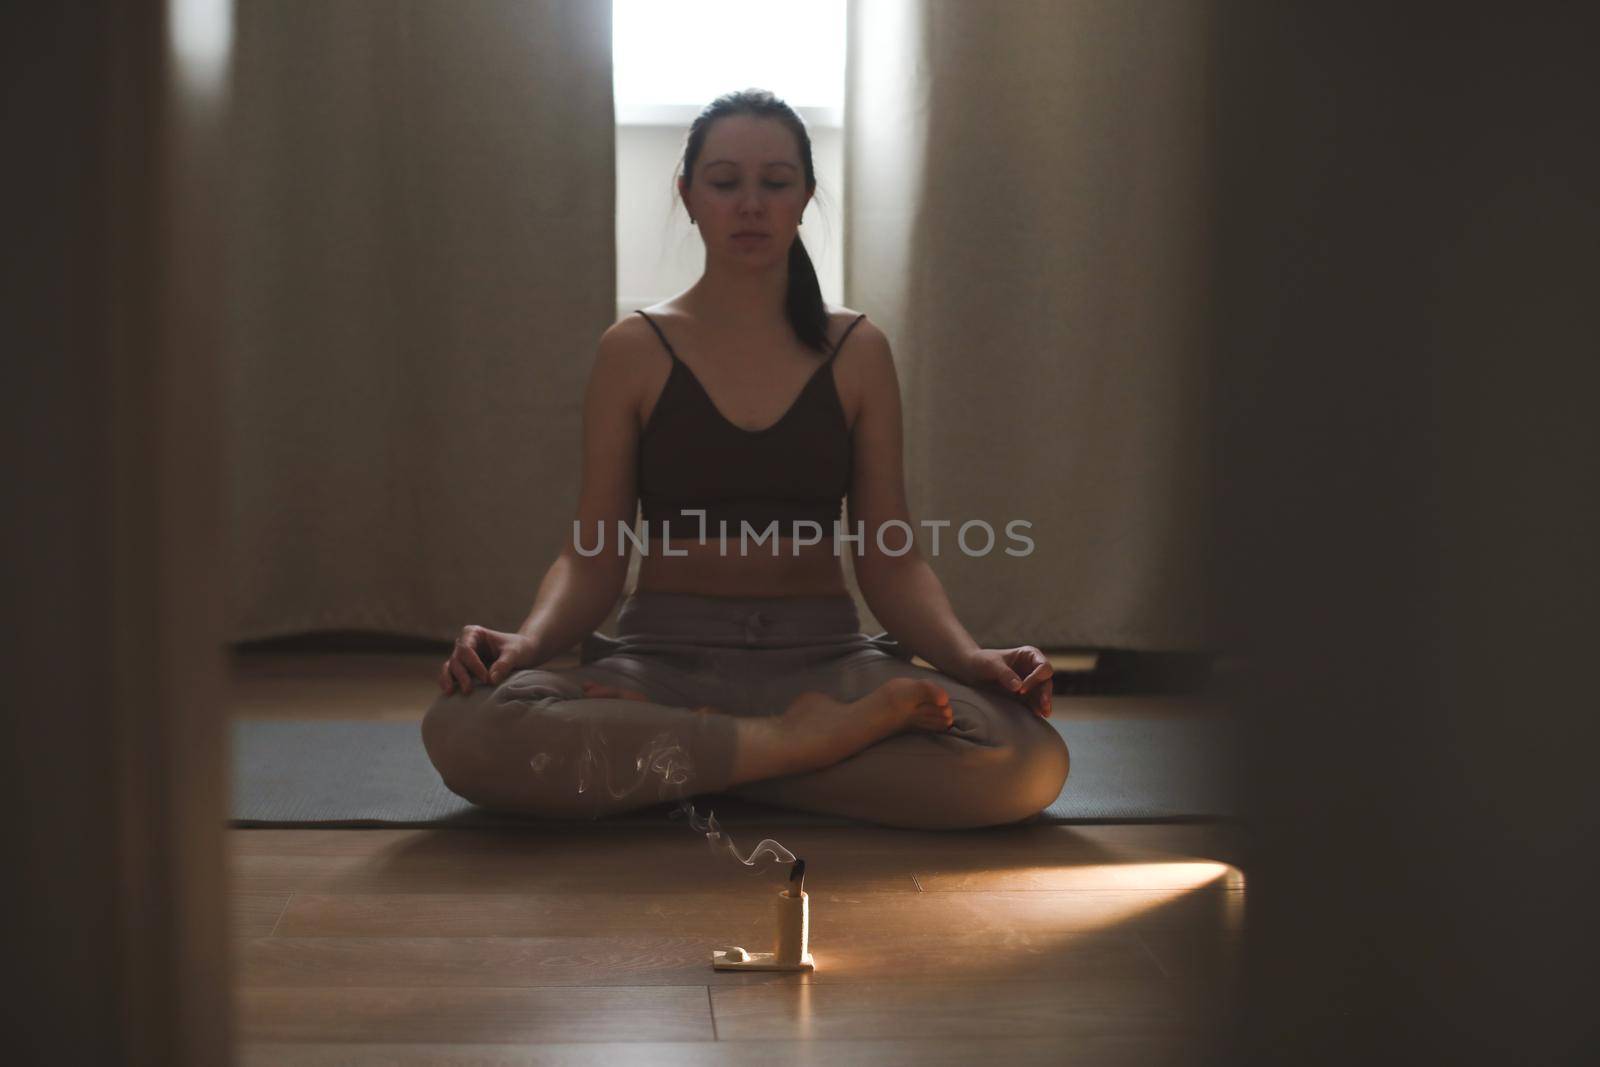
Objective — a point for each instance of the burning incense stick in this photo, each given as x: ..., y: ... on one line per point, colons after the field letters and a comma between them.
x: 791, y: 950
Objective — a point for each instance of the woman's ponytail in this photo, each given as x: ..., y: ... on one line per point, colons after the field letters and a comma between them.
x: 803, y: 303
x: 807, y: 314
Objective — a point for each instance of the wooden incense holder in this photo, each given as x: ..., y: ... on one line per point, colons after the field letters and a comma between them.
x: 790, y: 951
x: 757, y: 961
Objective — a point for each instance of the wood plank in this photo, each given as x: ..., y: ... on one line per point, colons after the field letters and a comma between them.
x: 727, y: 915
x: 1195, y: 951
x: 741, y: 916
x: 1069, y: 1008
x: 1221, y: 841
x: 1120, y: 873
x: 400, y: 1014
x: 1103, y: 1050
x: 656, y: 959
x: 378, y: 686
x: 296, y: 696
x: 529, y: 872
x: 844, y: 858
x: 255, y: 914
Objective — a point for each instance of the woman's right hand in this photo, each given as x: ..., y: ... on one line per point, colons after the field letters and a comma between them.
x: 503, y: 652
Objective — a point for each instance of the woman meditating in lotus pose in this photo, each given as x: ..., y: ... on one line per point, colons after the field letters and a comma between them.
x: 737, y: 406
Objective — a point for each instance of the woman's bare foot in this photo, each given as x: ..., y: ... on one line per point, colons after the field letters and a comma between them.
x: 597, y: 690
x: 817, y: 731
x: 898, y: 704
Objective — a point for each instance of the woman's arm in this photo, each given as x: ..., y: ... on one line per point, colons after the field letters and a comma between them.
x: 908, y: 598
x: 578, y: 592
x: 575, y: 596
x: 902, y: 591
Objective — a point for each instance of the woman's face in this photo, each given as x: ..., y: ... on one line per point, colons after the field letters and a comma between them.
x: 748, y: 179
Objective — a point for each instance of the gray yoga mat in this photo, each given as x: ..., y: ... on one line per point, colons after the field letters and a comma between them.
x: 354, y: 773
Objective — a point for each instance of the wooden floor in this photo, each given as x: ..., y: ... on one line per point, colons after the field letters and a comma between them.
x: 592, y: 943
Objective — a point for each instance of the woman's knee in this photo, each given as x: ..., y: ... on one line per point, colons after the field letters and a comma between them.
x: 1023, y: 773
x: 1045, y: 764
x: 447, y: 736
x: 471, y: 738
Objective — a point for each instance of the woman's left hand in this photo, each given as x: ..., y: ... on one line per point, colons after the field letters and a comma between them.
x: 1024, y: 672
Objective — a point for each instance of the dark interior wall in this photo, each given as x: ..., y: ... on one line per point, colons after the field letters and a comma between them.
x: 1406, y: 342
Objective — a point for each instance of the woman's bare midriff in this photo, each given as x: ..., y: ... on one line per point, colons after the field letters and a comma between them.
x: 707, y: 571
x: 704, y: 568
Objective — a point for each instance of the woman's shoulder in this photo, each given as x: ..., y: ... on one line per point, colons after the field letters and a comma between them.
x: 634, y: 331
x: 841, y: 316
x: 674, y: 307
x: 669, y: 310
x: 647, y: 337
x: 621, y: 336
x: 632, y: 355
x: 842, y: 325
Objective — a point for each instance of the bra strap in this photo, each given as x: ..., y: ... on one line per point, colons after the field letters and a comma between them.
x: 847, y: 330
x: 659, y: 334
x: 674, y: 355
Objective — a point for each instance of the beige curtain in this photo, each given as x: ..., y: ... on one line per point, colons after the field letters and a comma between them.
x: 1026, y: 218
x: 421, y: 214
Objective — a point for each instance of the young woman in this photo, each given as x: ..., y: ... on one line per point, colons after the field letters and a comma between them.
x: 739, y: 664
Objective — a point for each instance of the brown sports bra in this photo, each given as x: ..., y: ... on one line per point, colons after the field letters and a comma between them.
x: 691, y: 458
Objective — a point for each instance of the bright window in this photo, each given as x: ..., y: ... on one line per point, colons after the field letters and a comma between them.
x: 672, y: 57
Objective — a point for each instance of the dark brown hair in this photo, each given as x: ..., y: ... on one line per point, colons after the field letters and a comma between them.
x: 803, y: 305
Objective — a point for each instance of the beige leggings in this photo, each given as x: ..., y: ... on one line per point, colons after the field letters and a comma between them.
x: 535, y: 744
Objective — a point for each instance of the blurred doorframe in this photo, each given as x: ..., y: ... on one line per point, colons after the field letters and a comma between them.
x: 114, y: 556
